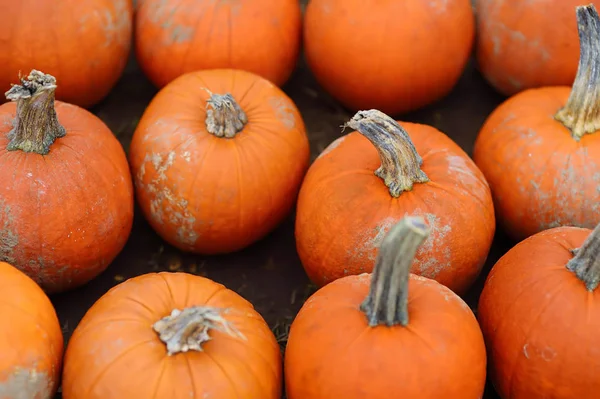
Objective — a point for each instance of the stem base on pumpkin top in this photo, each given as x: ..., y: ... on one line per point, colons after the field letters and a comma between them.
x: 581, y: 114
x: 387, y: 302
x: 36, y: 125
x: 400, y: 163
x: 224, y: 116
x: 586, y: 261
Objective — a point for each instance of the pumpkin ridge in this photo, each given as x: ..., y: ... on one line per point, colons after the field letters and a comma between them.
x: 586, y: 262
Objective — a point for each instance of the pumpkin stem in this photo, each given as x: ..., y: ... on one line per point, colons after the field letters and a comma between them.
x: 581, y: 114
x: 586, y: 261
x: 224, y: 117
x: 387, y: 302
x: 36, y: 125
x: 187, y: 329
x: 400, y: 163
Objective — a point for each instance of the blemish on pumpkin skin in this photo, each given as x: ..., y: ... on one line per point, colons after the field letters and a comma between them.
x: 115, y: 23
x: 8, y: 238
x: 334, y: 144
x: 26, y: 384
x: 284, y: 111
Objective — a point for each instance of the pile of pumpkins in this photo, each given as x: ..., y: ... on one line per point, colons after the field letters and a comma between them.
x: 394, y: 220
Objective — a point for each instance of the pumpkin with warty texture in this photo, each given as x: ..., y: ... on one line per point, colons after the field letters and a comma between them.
x: 66, y: 196
x: 84, y: 44
x: 367, y: 180
x: 540, y: 315
x: 32, y: 341
x: 172, y: 335
x: 540, y: 149
x: 410, y: 338
x: 218, y: 158
x: 259, y: 36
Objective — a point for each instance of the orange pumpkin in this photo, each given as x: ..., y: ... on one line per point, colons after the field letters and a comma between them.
x: 410, y: 338
x: 172, y: 335
x: 540, y: 316
x: 174, y: 37
x: 527, y: 44
x: 539, y: 149
x: 218, y: 158
x: 66, y: 196
x: 396, y: 56
x: 366, y: 181
x: 32, y: 339
x: 84, y: 44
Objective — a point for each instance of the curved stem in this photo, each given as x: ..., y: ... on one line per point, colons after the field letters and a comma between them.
x: 581, y: 114
x: 36, y: 125
x: 387, y: 303
x: 586, y: 262
x: 188, y: 329
x: 400, y: 163
x: 224, y: 117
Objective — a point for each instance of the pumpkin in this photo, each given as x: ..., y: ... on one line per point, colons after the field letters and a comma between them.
x: 259, y: 36
x: 539, y: 149
x: 522, y: 45
x: 410, y: 338
x: 84, y: 44
x: 366, y: 181
x: 66, y: 196
x: 218, y: 158
x: 172, y: 335
x: 540, y: 318
x: 32, y: 339
x: 396, y: 56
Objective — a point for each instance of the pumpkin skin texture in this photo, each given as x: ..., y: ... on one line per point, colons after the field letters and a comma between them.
x: 208, y: 193
x: 540, y: 324
x: 84, y: 44
x: 259, y: 36
x: 66, y: 207
x: 366, y: 58
x: 344, y: 209
x: 32, y: 341
x: 114, y: 352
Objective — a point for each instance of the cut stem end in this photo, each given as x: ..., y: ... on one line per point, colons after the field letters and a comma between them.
x: 224, y: 116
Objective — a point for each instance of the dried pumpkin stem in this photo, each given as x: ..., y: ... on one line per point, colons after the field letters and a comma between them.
x: 188, y: 329
x: 400, y: 163
x: 387, y: 302
x: 224, y: 117
x: 36, y: 125
x: 581, y: 114
x: 586, y: 262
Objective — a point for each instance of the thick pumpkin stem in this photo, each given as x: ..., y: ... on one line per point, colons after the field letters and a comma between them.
x: 224, y: 117
x: 189, y: 328
x: 586, y: 262
x: 400, y: 163
x: 387, y: 303
x: 36, y: 125
x: 581, y: 114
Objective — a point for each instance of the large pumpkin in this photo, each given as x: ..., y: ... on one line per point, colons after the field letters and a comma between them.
x: 218, y: 158
x: 31, y: 341
x: 540, y: 316
x: 84, y: 44
x: 410, y: 338
x: 174, y: 37
x: 366, y: 181
x: 539, y: 150
x: 66, y: 196
x: 172, y: 335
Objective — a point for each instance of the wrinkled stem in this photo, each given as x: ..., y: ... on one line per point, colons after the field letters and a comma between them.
x: 188, y: 329
x: 400, y: 163
x: 586, y: 262
x: 581, y: 114
x: 36, y: 125
x: 387, y: 302
x: 224, y: 117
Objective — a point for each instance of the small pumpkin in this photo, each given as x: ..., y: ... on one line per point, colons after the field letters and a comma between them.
x: 410, y: 338
x: 218, y: 158
x: 366, y: 181
x: 84, y: 44
x: 172, y: 335
x: 396, y: 56
x: 32, y: 339
x: 540, y: 316
x: 539, y: 149
x: 66, y: 196
x: 259, y: 36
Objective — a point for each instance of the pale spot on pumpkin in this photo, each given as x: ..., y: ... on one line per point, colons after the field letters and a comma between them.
x: 26, y: 384
x: 284, y: 111
x: 427, y: 265
x: 438, y: 6
x: 525, y: 352
x: 334, y: 144
x: 115, y: 23
x: 8, y: 238
x: 186, y: 156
